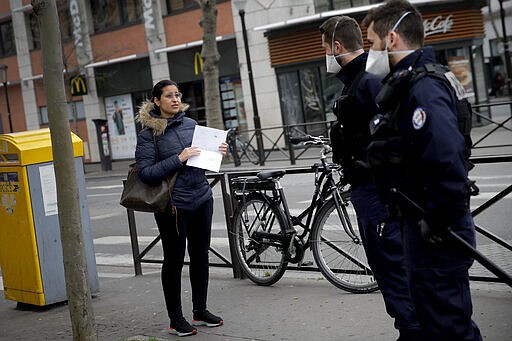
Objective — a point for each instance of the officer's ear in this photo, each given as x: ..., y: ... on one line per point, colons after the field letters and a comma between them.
x: 393, y: 38
x: 338, y: 48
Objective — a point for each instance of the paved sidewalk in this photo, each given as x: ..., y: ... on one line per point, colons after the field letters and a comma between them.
x: 298, y: 307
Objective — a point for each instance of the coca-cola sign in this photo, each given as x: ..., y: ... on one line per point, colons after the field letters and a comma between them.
x: 437, y: 25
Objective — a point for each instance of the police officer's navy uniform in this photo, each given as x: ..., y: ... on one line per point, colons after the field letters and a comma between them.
x: 381, y: 236
x: 433, y: 173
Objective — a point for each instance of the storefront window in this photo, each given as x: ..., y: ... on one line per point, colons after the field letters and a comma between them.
x: 70, y: 108
x: 312, y: 104
x: 233, y: 107
x: 302, y: 99
x: 114, y: 13
x: 459, y: 62
x: 331, y: 89
x: 193, y: 96
x: 291, y: 104
x: 121, y: 126
x: 497, y: 67
x: 7, y: 47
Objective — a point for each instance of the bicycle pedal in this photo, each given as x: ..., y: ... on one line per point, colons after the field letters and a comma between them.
x: 306, y: 263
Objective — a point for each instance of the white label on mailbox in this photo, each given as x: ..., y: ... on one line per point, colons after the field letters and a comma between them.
x: 49, y: 190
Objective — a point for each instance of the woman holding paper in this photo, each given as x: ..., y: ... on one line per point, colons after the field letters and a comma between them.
x: 190, y: 210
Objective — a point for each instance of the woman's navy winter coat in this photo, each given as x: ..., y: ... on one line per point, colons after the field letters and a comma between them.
x: 154, y: 164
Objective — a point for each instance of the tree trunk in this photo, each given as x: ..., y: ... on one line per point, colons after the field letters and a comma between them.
x: 210, y: 54
x: 75, y: 266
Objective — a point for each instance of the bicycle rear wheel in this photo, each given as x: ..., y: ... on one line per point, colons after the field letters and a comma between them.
x: 262, y: 260
x: 252, y: 154
x: 341, y: 257
x: 245, y: 149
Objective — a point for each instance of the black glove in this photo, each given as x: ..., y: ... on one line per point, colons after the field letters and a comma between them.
x: 428, y: 234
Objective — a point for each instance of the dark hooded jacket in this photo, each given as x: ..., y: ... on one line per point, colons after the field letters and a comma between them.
x: 154, y: 164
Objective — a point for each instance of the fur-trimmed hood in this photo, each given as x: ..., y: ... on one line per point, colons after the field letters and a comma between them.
x: 148, y: 119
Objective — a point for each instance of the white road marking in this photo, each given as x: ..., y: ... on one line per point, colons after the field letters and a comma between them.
x: 108, y: 215
x: 492, y: 185
x: 117, y: 240
x: 105, y: 187
x: 489, y: 177
x: 103, y: 195
x: 103, y: 259
x: 113, y: 275
x: 489, y: 195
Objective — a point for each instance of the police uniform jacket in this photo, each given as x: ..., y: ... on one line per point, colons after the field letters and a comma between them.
x: 355, y: 113
x: 434, y: 168
x: 172, y: 135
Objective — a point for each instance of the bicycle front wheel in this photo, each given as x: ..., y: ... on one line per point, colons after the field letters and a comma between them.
x: 262, y: 259
x: 338, y: 249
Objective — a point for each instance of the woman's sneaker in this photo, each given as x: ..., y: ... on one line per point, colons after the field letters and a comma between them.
x: 181, y: 327
x: 205, y: 318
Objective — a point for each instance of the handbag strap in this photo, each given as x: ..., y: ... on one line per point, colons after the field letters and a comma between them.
x: 171, y: 181
x: 156, y: 147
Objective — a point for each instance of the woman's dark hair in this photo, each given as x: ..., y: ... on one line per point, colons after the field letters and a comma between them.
x: 157, y: 89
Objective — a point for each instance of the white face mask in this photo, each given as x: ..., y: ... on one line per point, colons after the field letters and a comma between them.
x: 332, y: 64
x: 378, y: 61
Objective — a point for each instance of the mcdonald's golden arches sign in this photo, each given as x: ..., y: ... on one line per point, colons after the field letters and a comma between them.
x: 198, y: 63
x: 78, y: 86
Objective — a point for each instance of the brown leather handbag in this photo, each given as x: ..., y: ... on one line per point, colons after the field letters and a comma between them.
x: 140, y: 196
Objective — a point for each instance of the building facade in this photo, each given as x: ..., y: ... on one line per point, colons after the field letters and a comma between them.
x: 454, y: 28
x: 114, y: 51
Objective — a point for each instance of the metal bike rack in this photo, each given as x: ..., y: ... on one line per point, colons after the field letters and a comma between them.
x: 230, y: 203
x: 138, y: 256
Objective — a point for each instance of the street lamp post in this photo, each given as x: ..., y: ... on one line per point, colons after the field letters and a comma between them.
x: 240, y: 4
x: 3, y: 79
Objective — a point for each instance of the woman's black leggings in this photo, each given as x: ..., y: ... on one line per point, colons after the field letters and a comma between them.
x: 195, y: 226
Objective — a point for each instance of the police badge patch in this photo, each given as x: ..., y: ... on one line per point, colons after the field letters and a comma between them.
x: 418, y: 118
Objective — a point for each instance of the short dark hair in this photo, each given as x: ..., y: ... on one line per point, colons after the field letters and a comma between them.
x: 157, y: 88
x: 386, y: 15
x: 348, y: 32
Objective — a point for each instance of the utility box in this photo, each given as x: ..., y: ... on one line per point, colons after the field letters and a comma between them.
x: 30, y: 245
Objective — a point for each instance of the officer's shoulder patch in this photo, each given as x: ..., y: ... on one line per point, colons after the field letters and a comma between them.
x: 418, y: 118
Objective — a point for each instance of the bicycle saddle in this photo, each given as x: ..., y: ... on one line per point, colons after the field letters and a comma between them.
x: 271, y: 174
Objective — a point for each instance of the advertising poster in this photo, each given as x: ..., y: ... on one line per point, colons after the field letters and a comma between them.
x: 461, y: 68
x: 121, y: 126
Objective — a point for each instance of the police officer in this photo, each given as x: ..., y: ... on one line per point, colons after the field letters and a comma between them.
x: 432, y: 172
x: 343, y: 43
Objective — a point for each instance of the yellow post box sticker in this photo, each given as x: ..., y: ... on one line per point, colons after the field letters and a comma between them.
x: 9, y: 188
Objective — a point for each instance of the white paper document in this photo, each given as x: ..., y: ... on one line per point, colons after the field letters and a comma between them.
x: 208, y: 140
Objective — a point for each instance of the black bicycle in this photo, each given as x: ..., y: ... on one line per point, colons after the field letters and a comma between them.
x: 240, y: 149
x: 267, y: 237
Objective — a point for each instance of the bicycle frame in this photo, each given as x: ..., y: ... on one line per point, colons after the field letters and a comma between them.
x: 268, y: 236
x: 325, y: 186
